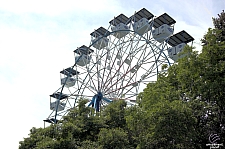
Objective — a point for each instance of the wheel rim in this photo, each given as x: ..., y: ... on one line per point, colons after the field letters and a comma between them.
x: 119, y: 70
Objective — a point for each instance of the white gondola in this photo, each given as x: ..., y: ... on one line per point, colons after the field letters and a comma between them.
x: 161, y: 33
x: 100, y: 42
x: 68, y: 81
x: 142, y: 26
x: 61, y: 106
x: 173, y: 52
x: 120, y: 30
x: 82, y: 60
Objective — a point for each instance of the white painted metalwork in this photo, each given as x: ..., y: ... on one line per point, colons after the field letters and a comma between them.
x: 118, y: 64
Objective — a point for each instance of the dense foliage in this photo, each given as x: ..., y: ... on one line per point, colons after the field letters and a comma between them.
x: 180, y: 110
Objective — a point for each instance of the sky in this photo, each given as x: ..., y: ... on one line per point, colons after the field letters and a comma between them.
x: 37, y: 40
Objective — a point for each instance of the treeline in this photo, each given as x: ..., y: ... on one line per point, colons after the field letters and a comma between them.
x: 180, y: 110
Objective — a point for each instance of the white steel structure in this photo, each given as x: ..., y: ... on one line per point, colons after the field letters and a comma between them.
x: 119, y: 61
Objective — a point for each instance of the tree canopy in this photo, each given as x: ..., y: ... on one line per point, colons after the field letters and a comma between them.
x: 180, y: 110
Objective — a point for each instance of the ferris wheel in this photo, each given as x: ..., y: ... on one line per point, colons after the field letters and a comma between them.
x: 119, y: 62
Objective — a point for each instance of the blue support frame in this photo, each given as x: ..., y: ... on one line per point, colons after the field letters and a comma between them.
x: 96, y: 101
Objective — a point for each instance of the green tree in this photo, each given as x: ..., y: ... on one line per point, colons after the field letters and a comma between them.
x: 173, y: 125
x: 114, y: 138
x: 165, y: 119
x: 213, y: 80
x: 219, y: 23
x: 81, y: 128
x: 114, y: 114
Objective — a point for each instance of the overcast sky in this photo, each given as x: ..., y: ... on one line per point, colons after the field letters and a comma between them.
x: 37, y: 39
